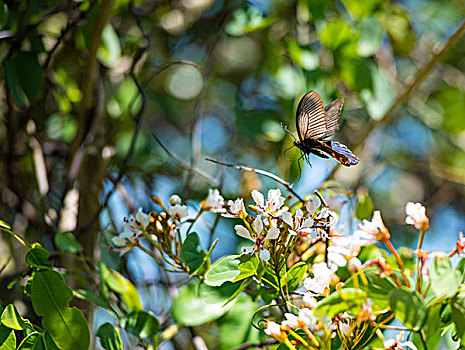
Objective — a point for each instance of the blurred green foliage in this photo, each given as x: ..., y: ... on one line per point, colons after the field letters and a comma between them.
x: 85, y: 84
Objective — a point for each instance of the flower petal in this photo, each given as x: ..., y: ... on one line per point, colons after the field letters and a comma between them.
x: 287, y: 218
x: 273, y: 233
x: 243, y: 232
x: 258, y: 224
x: 264, y: 255
x: 258, y: 198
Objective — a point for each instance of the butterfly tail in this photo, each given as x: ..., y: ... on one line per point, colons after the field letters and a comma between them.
x: 342, y: 154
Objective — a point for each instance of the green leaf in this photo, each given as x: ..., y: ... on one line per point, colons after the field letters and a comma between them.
x: 110, y: 338
x: 32, y: 342
x: 217, y: 294
x: 120, y: 284
x: 444, y: 280
x: 48, y: 341
x: 92, y: 297
x: 408, y: 307
x: 236, y: 324
x: 65, y: 241
x: 364, y: 208
x: 110, y: 51
x: 24, y: 77
x: 191, y: 252
x: 38, y: 257
x: 7, y: 338
x: 224, y: 269
x: 248, y: 266
x: 361, y: 8
x: 190, y: 310
x: 377, y: 288
x: 335, y: 303
x: 141, y: 323
x: 4, y: 225
x: 68, y: 329
x: 336, y: 34
x: 11, y: 318
x: 370, y: 36
x: 457, y: 305
x: 49, y: 293
x: 295, y: 275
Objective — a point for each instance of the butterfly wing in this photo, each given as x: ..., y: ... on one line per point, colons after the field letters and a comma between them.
x: 333, y: 112
x: 311, y: 117
x: 341, y: 153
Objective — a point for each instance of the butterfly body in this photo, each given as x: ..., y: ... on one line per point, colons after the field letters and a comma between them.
x: 315, y: 123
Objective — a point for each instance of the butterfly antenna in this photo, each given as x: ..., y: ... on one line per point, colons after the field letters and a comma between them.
x: 286, y: 151
x: 286, y: 130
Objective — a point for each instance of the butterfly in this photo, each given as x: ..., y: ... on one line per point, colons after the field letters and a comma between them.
x: 315, y: 123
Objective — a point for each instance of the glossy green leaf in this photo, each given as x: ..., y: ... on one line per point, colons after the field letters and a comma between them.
x: 32, y: 342
x: 408, y: 307
x: 224, y: 269
x: 49, y: 293
x: 333, y: 304
x: 38, y: 257
x: 7, y: 338
x: 141, y: 323
x: 377, y: 288
x: 92, y: 297
x: 48, y: 341
x: 295, y: 275
x: 68, y: 329
x: 65, y: 241
x: 248, y: 266
x: 217, y: 294
x: 11, y: 318
x: 189, y: 310
x: 237, y: 322
x: 457, y: 306
x: 444, y: 280
x: 191, y: 253
x: 110, y: 338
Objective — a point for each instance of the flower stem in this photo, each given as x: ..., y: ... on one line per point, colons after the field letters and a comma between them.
x: 398, y: 259
x: 420, y: 243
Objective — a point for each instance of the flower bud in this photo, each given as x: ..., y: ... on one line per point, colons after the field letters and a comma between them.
x: 175, y: 199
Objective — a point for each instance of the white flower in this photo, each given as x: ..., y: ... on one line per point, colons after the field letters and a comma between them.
x: 322, y: 277
x: 313, y: 204
x: 124, y: 240
x: 343, y: 248
x: 272, y: 205
x: 273, y: 233
x: 273, y: 329
x: 300, y: 224
x: 416, y: 215
x: 140, y: 221
x: 175, y: 199
x: 291, y: 321
x: 214, y: 201
x: 307, y: 317
x: 325, y: 213
x: 243, y: 232
x: 258, y: 225
x: 354, y: 264
x: 373, y: 230
x: 178, y: 211
x: 237, y: 206
x: 264, y: 254
x: 395, y: 344
x: 309, y: 301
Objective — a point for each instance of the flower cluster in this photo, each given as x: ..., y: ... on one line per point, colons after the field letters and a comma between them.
x: 275, y: 222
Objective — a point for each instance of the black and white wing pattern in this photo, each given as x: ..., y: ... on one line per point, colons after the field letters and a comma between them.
x: 333, y: 112
x: 311, y: 117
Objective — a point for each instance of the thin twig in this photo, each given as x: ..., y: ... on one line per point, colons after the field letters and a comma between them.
x: 246, y: 346
x: 286, y: 184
